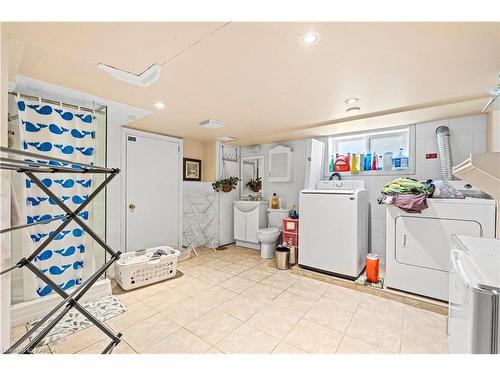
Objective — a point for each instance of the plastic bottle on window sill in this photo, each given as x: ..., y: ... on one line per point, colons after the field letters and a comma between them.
x: 374, y: 162
x: 368, y: 162
x: 405, y: 161
x: 332, y: 163
x: 361, y: 162
x: 354, y: 163
x: 380, y: 165
x: 387, y: 161
x: 401, y: 161
x: 341, y: 164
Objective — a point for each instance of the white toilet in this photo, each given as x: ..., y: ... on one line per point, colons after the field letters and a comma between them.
x: 267, y: 237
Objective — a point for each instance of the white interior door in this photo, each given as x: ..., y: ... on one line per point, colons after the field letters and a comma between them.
x: 152, y: 192
x: 226, y: 200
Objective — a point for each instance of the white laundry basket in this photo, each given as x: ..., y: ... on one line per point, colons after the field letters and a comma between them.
x: 139, y: 268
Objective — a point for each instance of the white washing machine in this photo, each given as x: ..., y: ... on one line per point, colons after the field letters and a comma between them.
x: 333, y: 235
x: 418, y: 246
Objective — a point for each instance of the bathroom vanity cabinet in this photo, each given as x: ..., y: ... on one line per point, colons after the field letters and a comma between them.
x: 249, y: 217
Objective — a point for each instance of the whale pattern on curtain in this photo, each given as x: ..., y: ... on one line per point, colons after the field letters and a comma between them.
x: 54, y: 131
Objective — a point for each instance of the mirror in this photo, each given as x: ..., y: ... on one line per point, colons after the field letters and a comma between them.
x: 252, y: 167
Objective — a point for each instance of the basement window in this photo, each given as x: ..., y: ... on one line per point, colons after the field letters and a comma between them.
x: 374, y: 143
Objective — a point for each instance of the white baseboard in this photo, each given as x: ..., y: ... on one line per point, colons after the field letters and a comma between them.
x: 22, y: 313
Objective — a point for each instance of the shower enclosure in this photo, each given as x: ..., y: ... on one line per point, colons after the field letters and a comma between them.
x: 24, y: 296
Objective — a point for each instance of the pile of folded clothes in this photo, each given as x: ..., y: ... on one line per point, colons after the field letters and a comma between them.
x: 407, y: 193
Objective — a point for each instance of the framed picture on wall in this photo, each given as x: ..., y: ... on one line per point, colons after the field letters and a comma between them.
x: 191, y: 169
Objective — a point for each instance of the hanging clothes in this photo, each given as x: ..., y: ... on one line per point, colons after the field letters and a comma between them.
x: 55, y: 132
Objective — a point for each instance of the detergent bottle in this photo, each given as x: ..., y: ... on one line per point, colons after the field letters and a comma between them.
x: 368, y: 162
x: 374, y: 162
x: 332, y: 163
x: 341, y: 164
x: 354, y: 163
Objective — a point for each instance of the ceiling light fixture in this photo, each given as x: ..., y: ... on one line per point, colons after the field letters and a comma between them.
x: 351, y: 101
x: 226, y: 138
x: 159, y: 105
x: 146, y: 78
x: 211, y: 124
x: 353, y: 109
x: 311, y: 37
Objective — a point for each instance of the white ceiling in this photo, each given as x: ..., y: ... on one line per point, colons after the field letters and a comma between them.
x: 258, y: 78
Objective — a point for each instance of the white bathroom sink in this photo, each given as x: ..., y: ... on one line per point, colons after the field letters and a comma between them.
x: 246, y: 206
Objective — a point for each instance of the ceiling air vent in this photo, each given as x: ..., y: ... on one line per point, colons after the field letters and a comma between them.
x: 226, y: 138
x: 211, y: 124
x: 146, y: 78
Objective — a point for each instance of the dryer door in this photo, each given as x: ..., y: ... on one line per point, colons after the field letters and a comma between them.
x: 426, y: 242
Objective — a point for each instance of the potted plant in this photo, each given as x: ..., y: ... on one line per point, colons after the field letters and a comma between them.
x: 255, y: 184
x: 226, y: 184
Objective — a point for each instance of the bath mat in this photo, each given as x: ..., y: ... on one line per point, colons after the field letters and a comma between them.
x: 103, y: 309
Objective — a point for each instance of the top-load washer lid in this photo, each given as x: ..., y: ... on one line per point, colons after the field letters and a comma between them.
x: 481, y: 260
x: 338, y: 192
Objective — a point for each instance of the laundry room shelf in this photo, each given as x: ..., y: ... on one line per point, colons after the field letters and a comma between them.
x: 31, y: 164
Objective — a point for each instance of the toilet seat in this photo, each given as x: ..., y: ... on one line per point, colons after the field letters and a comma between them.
x: 269, y: 231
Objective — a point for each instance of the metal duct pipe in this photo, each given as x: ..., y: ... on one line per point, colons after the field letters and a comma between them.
x: 443, y: 139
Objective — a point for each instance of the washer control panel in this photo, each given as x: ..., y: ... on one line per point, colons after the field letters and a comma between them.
x: 341, y: 185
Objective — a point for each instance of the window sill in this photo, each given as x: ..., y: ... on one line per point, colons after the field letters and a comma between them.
x: 397, y: 172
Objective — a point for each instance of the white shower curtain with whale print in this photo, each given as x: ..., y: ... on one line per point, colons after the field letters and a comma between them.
x: 54, y: 131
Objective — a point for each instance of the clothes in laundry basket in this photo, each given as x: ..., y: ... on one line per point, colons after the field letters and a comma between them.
x: 414, y: 203
x: 408, y: 185
x: 411, y: 203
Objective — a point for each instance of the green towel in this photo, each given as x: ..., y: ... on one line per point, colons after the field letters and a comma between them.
x: 408, y: 185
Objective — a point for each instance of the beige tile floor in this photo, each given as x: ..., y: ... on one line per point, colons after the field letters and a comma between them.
x: 232, y: 301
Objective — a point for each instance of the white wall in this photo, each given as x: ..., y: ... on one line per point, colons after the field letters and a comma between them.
x: 467, y: 135
x: 5, y: 248
x: 288, y: 191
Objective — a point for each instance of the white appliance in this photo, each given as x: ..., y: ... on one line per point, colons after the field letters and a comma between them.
x: 334, y: 227
x: 418, y: 245
x: 474, y: 308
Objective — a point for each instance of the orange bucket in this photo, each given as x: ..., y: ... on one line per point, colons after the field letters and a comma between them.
x: 372, y: 265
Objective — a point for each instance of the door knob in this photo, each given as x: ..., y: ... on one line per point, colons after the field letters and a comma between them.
x: 131, y: 206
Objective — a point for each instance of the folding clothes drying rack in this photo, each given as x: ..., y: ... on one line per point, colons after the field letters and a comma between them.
x: 44, y: 164
x: 199, y: 220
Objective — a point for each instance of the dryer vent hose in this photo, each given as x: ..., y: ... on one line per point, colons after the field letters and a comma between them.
x: 443, y: 139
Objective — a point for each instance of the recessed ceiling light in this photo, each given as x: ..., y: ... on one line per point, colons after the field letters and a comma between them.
x: 226, y: 138
x: 353, y: 109
x: 310, y: 37
x: 211, y: 124
x: 159, y: 105
x: 351, y: 101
